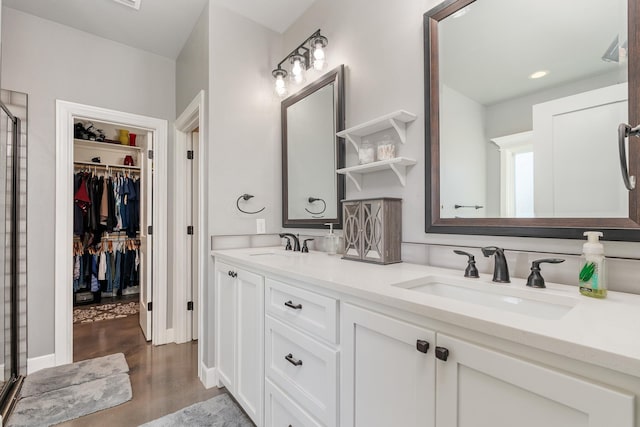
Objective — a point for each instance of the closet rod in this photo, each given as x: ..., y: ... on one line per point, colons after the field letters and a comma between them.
x: 103, y: 166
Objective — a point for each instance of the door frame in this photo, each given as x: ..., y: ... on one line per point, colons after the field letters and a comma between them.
x: 191, y: 118
x: 66, y: 112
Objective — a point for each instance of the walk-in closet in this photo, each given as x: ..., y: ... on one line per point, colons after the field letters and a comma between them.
x: 111, y: 204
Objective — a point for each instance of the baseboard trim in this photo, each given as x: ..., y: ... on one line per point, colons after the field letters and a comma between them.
x: 209, y: 376
x: 170, y: 336
x: 36, y: 364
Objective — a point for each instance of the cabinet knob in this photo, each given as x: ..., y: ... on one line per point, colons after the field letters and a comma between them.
x: 233, y: 273
x: 422, y: 346
x: 290, y: 304
x: 295, y: 362
x: 442, y: 353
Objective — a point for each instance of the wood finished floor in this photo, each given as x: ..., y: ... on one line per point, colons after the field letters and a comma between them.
x: 164, y: 378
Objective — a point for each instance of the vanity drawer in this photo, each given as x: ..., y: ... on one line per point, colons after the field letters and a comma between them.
x: 281, y: 411
x: 307, y: 310
x: 304, y: 368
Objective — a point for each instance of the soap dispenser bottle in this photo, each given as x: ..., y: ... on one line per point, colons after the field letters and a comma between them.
x: 331, y: 241
x: 592, y: 273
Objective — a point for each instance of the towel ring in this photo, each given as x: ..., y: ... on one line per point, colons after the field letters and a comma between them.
x: 246, y: 197
x: 316, y: 199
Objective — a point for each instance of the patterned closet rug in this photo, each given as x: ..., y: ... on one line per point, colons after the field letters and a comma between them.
x: 95, y: 313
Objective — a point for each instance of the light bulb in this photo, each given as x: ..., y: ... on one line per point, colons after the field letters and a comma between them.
x: 297, y: 68
x: 319, y: 60
x: 281, y: 88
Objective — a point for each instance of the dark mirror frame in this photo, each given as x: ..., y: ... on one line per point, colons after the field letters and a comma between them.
x: 335, y: 76
x: 623, y: 229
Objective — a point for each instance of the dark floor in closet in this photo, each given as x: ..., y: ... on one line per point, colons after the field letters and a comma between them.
x: 163, y: 378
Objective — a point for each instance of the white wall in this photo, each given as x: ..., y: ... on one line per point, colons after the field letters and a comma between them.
x: 192, y: 64
x: 49, y: 61
x: 463, y: 179
x: 244, y: 124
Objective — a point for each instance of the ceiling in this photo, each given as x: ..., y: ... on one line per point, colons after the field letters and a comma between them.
x: 488, y: 53
x: 160, y: 26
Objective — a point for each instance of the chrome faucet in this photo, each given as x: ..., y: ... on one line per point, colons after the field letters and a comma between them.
x: 296, y: 241
x: 501, y: 269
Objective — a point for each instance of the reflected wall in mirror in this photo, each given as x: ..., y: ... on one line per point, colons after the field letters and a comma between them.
x: 524, y: 101
x: 311, y: 153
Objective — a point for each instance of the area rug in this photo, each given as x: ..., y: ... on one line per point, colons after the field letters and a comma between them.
x: 71, y: 402
x: 63, y: 376
x: 220, y: 411
x: 96, y: 313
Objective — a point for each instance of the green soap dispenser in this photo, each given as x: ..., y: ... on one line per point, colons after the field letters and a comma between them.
x: 592, y: 273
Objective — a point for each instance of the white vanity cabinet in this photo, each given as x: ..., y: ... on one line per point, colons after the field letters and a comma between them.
x: 477, y: 386
x: 387, y: 381
x: 387, y: 378
x: 239, y: 320
x: 301, y: 357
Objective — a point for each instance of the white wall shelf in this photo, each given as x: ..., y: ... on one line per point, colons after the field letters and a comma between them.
x: 106, y: 145
x: 397, y: 120
x: 398, y: 165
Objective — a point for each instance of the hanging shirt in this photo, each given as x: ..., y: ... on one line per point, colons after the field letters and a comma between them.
x: 102, y: 267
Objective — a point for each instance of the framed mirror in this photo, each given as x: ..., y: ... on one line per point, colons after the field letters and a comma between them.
x: 311, y: 153
x: 523, y: 101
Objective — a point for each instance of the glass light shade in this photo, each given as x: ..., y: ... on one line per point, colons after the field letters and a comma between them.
x: 319, y: 58
x: 298, y: 69
x: 281, y: 87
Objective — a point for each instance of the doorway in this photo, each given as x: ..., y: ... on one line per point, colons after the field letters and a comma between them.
x: 190, y: 235
x: 153, y: 288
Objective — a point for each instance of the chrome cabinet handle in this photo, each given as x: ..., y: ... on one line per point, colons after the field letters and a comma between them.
x: 294, y: 362
x: 290, y: 304
x: 624, y: 130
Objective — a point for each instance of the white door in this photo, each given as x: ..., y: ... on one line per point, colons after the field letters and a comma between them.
x: 146, y: 239
x: 225, y: 324
x: 480, y: 387
x: 386, y: 378
x: 193, y: 256
x: 575, y: 154
x: 250, y: 344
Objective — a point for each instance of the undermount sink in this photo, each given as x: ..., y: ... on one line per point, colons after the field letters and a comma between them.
x: 529, y: 302
x: 276, y: 253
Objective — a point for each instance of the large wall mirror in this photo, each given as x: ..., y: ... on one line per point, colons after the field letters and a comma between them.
x: 311, y: 153
x: 523, y: 103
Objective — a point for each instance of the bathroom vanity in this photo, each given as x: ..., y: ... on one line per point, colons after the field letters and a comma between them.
x: 314, y: 340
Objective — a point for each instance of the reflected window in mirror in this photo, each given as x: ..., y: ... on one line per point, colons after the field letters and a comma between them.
x: 524, y: 102
x: 311, y: 153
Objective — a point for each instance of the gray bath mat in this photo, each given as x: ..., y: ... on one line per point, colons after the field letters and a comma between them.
x: 71, y: 402
x: 75, y: 373
x: 220, y: 411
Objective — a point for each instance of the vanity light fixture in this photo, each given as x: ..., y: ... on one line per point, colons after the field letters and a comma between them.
x: 538, y: 74
x: 310, y: 53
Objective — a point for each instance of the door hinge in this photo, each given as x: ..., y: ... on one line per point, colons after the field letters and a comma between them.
x: 190, y: 154
x: 190, y: 229
x: 150, y: 154
x: 190, y: 306
x: 150, y: 229
x: 149, y: 306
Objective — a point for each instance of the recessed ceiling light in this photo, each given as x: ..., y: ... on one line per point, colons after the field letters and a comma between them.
x: 538, y: 74
x: 461, y: 12
x: 135, y: 4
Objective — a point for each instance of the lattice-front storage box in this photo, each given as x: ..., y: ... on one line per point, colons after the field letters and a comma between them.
x: 372, y: 230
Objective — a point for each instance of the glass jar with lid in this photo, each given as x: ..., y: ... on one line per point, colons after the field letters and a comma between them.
x: 366, y: 152
x: 386, y: 148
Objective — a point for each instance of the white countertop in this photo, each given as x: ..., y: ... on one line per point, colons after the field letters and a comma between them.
x: 601, y: 332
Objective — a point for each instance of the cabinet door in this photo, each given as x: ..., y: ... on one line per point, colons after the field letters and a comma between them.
x: 385, y: 380
x: 249, y: 386
x: 225, y: 327
x: 352, y: 231
x: 481, y: 387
